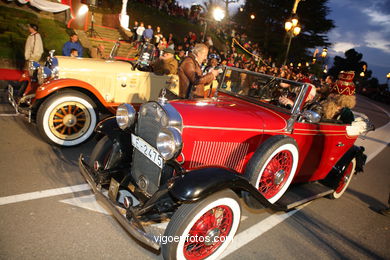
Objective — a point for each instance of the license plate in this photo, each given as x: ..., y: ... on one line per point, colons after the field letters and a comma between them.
x: 113, y: 190
x: 146, y: 149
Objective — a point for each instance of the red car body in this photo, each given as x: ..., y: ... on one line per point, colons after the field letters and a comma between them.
x: 214, y: 136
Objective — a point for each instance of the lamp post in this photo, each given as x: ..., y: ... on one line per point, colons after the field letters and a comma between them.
x: 293, y: 29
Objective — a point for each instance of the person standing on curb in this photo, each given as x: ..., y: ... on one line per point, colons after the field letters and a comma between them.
x: 34, y: 47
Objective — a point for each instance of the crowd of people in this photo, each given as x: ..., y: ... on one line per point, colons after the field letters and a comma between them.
x: 199, y: 59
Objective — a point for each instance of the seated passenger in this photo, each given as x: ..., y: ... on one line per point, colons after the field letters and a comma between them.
x: 166, y: 64
x: 342, y: 99
x: 310, y: 102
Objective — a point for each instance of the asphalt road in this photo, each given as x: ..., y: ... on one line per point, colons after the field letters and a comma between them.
x: 48, y: 212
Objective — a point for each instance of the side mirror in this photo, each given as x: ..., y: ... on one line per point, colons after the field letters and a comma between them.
x: 310, y: 116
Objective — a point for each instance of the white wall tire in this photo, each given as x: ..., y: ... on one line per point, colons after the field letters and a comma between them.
x: 272, y: 168
x: 67, y: 118
x: 189, y: 217
x: 345, y: 180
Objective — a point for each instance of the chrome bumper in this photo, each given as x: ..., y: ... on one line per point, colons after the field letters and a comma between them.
x: 129, y: 225
x: 18, y: 110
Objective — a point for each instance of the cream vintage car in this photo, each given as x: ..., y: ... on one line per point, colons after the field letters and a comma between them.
x: 66, y: 96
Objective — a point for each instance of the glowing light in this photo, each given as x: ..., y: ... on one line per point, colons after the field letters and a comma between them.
x: 83, y: 10
x: 297, y: 30
x: 288, y: 26
x: 253, y: 16
x: 241, y: 9
x: 218, y: 14
x: 294, y: 21
x: 324, y: 52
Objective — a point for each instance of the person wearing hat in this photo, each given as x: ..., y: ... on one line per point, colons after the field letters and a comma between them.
x: 166, y: 64
x: 34, y: 47
x: 341, y: 99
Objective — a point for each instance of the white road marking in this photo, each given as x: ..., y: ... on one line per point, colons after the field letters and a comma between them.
x: 87, y: 202
x: 256, y: 230
x: 377, y: 140
x: 43, y: 194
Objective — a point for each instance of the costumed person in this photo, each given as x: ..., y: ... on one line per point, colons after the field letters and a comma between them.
x: 341, y: 100
x: 34, y: 47
x: 73, y: 43
x: 191, y: 78
x: 166, y: 64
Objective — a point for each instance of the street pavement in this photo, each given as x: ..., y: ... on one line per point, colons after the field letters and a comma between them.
x: 48, y: 212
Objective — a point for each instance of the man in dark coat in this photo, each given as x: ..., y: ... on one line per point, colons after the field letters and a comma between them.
x: 191, y: 78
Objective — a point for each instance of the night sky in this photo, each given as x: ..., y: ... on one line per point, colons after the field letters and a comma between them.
x: 360, y: 24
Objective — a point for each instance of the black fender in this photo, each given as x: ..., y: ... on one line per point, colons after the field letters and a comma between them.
x: 121, y: 139
x: 108, y: 127
x: 200, y: 183
x: 357, y: 152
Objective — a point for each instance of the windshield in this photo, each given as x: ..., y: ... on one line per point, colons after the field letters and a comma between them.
x: 261, y: 88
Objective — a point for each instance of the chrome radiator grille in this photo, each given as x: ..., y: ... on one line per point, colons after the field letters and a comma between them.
x: 150, y: 122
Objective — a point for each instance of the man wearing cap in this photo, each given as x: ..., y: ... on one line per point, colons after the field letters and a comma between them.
x: 73, y: 43
x: 34, y: 47
x: 166, y: 64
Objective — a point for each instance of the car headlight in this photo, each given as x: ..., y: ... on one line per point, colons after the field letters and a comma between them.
x: 169, y: 142
x: 125, y: 116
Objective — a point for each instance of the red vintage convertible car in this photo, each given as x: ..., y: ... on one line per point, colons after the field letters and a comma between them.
x: 188, y: 161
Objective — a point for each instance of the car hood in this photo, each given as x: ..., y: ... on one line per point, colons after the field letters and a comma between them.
x: 69, y: 66
x: 229, y: 112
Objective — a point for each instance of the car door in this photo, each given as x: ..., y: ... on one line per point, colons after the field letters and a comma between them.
x: 320, y: 145
x: 139, y: 86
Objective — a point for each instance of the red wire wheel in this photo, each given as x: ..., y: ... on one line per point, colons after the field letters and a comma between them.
x: 276, y: 174
x: 212, y: 226
x: 272, y: 168
x: 344, y: 181
x: 203, y: 228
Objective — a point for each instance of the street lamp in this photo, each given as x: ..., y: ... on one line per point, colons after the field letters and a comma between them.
x: 293, y: 29
x: 218, y: 15
x: 324, y: 53
x: 252, y: 16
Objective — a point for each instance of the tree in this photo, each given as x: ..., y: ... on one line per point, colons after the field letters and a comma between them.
x: 351, y: 62
x: 268, y: 26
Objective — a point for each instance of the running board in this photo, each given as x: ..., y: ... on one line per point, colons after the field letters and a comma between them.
x: 302, y: 193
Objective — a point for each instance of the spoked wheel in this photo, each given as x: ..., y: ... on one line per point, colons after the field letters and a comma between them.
x: 276, y: 173
x: 344, y: 181
x: 67, y: 119
x: 205, y: 228
x: 272, y: 168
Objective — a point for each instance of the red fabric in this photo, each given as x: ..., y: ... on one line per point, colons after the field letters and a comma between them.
x: 344, y: 85
x: 10, y: 74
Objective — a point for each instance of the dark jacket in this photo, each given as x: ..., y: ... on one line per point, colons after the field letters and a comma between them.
x: 191, y: 79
